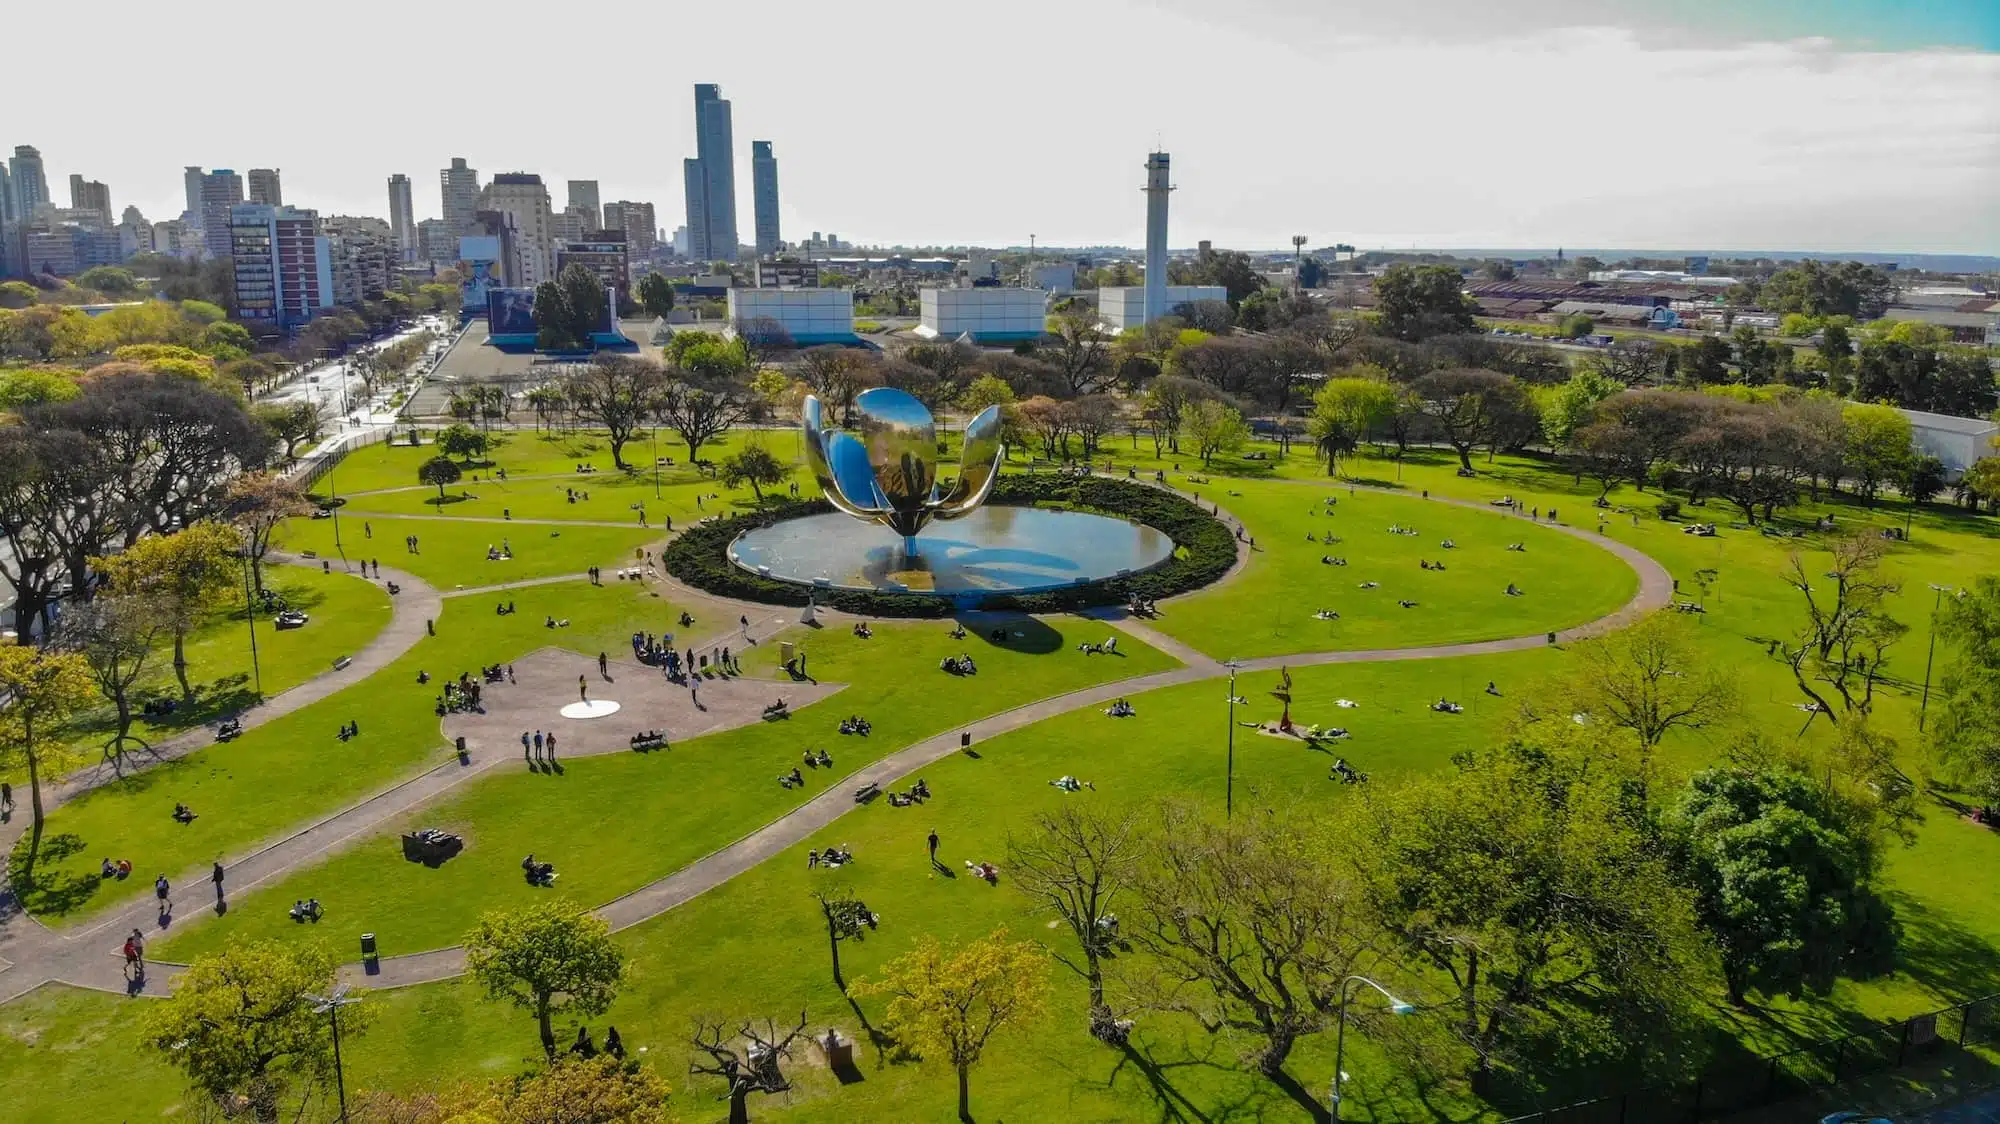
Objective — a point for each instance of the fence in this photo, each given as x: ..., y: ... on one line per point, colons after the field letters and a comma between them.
x: 1741, y: 1086
x: 323, y: 460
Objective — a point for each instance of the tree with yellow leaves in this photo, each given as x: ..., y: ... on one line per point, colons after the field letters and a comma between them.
x: 42, y: 689
x: 947, y: 1003
x: 180, y: 577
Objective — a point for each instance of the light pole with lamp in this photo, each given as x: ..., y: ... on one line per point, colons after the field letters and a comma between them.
x: 1229, y: 781
x: 250, y: 616
x: 331, y: 1005
x: 1396, y: 1007
x: 1936, y: 603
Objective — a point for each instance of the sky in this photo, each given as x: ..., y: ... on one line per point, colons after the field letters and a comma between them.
x: 1835, y: 125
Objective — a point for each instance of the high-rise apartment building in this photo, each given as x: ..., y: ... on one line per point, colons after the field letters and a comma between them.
x: 6, y: 198
x: 709, y: 178
x: 264, y: 187
x: 635, y: 221
x: 583, y: 196
x: 402, y: 219
x: 29, y: 186
x: 460, y: 186
x: 135, y: 234
x: 221, y: 190
x: 284, y: 271
x: 191, y: 177
x: 522, y: 197
x: 362, y: 253
x: 437, y: 242
x: 90, y: 195
x: 764, y: 196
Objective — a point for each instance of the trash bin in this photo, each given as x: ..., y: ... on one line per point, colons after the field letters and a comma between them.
x: 461, y: 743
x: 367, y: 946
x: 965, y: 739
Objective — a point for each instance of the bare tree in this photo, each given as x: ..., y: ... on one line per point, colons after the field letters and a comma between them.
x: 1844, y: 642
x: 836, y: 375
x: 1461, y: 405
x: 1090, y: 418
x: 762, y: 339
x: 703, y: 409
x: 1079, y: 350
x: 257, y: 503
x: 618, y: 394
x: 1073, y: 865
x: 1651, y: 680
x: 116, y: 635
x: 754, y: 1070
x: 847, y: 919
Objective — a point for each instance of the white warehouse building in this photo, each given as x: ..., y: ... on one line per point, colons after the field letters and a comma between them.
x: 1958, y: 442
x: 987, y: 315
x: 809, y: 316
x: 1122, y: 307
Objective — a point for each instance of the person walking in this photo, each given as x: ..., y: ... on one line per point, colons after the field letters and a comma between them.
x: 583, y: 688
x: 525, y: 743
x: 135, y: 957
x: 215, y: 876
x: 603, y: 665
x: 367, y: 532
x: 538, y: 743
x: 160, y: 891
x: 6, y: 797
x: 933, y: 840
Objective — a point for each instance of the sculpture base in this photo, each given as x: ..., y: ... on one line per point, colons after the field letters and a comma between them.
x: 992, y: 550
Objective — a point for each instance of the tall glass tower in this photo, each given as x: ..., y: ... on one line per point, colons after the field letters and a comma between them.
x: 764, y: 196
x: 710, y: 177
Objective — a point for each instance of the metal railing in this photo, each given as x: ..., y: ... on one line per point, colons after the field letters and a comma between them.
x: 1740, y: 1086
x: 322, y: 460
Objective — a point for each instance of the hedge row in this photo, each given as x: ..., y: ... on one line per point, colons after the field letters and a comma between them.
x: 1204, y: 550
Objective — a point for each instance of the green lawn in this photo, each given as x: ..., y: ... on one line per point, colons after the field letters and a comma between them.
x: 603, y: 499
x: 288, y: 772
x: 1269, y: 607
x: 664, y: 810
x: 452, y: 554
x: 528, y: 453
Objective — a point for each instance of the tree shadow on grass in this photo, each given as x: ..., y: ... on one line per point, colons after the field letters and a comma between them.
x: 442, y: 501
x: 1024, y: 634
x: 42, y: 890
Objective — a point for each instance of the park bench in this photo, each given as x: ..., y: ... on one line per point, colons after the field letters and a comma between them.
x: 867, y: 792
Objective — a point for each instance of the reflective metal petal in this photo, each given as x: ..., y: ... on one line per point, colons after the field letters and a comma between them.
x: 853, y: 475
x: 902, y: 446
x: 979, y: 465
x: 862, y: 504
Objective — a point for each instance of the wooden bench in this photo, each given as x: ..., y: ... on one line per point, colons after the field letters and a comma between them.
x: 867, y: 792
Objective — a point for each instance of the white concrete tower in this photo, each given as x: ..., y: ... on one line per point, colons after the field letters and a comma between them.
x: 1156, y: 235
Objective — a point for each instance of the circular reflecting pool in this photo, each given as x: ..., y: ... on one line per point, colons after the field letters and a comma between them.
x: 992, y: 550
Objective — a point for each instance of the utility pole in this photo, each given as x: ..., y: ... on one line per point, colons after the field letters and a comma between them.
x: 1229, y: 782
x: 1298, y: 260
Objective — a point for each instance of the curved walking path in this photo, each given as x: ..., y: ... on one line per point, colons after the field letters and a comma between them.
x: 86, y: 958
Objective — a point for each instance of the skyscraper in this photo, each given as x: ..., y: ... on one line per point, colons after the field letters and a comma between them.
x: 402, y: 219
x: 461, y: 193
x: 30, y: 185
x: 764, y: 196
x: 264, y: 187
x: 191, y: 180
x: 636, y: 221
x: 284, y: 271
x: 6, y: 202
x: 583, y: 196
x: 90, y: 195
x: 522, y: 197
x: 710, y: 177
x: 221, y: 190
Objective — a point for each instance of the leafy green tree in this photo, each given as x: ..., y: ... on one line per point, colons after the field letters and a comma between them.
x: 1878, y: 445
x: 1230, y: 269
x: 1705, y: 362
x: 553, y: 318
x: 1216, y: 428
x: 1418, y: 302
x: 1818, y: 288
x: 1347, y: 410
x: 36, y: 386
x: 438, y: 472
x: 16, y: 294
x: 584, y: 301
x: 107, y: 279
x: 754, y: 466
x: 1577, y: 326
x: 1782, y: 877
x: 1965, y: 735
x: 462, y: 441
x: 293, y: 423
x: 1923, y: 478
x: 181, y: 577
x: 1525, y: 878
x: 1567, y: 408
x: 545, y: 959
x: 43, y: 689
x: 618, y: 394
x: 243, y: 1027
x: 656, y: 294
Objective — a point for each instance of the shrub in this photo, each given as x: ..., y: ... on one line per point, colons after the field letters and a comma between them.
x: 1204, y: 550
x: 1668, y: 509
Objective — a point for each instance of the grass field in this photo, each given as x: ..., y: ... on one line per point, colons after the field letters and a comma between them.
x: 452, y: 554
x: 663, y: 810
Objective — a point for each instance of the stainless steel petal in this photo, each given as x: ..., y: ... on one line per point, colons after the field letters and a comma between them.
x: 812, y: 420
x: 902, y: 446
x: 853, y: 475
x: 979, y: 465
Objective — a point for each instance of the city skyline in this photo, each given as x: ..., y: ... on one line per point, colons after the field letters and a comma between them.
x: 1625, y: 125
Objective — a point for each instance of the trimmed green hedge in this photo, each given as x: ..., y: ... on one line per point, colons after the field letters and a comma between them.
x: 1204, y: 550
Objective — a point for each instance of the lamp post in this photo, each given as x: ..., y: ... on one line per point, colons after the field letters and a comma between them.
x: 1229, y: 781
x: 250, y: 616
x: 331, y: 1004
x: 1396, y: 1007
x: 656, y: 459
x: 1936, y: 603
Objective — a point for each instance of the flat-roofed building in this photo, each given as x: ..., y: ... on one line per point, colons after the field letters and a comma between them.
x: 989, y: 314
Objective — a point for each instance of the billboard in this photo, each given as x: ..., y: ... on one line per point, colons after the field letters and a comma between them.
x: 481, y: 278
x: 510, y: 316
x: 1696, y: 265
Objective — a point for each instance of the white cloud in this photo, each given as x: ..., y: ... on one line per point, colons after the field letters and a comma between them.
x: 985, y: 123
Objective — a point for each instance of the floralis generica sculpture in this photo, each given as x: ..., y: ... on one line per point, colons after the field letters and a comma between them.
x: 888, y: 474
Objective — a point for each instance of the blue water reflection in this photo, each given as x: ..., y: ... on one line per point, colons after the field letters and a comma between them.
x: 992, y: 550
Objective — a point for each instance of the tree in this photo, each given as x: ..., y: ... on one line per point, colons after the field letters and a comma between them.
x: 1965, y: 735
x: 462, y: 441
x: 115, y: 636
x: 180, y: 578
x: 292, y: 424
x: 1525, y: 878
x: 1567, y: 408
x: 1818, y: 288
x: 1074, y: 864
x: 1347, y: 410
x: 1090, y: 418
x: 761, y: 339
x: 546, y: 958
x: 1923, y: 478
x: 439, y: 471
x: 1649, y: 679
x: 754, y: 466
x: 599, y: 1090
x: 703, y: 409
x: 1841, y: 647
x: 1782, y: 875
x: 1460, y: 406
x: 1230, y: 269
x: 1216, y: 428
x: 1878, y: 445
x: 584, y: 302
x: 1166, y: 405
x: 243, y: 1027
x: 837, y: 375
x: 1079, y: 350
x: 947, y: 1004
x: 1418, y: 302
x: 42, y: 690
x: 618, y: 395
x: 1049, y: 421
x: 1252, y: 926
x: 553, y: 318
x: 257, y: 503
x: 107, y: 279
x: 756, y: 1071
x: 1576, y: 326
x: 656, y: 295
x: 1637, y: 362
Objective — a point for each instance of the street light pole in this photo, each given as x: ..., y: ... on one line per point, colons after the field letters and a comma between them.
x: 250, y: 616
x: 1229, y: 782
x: 1936, y: 603
x: 1396, y: 1007
x: 332, y: 1004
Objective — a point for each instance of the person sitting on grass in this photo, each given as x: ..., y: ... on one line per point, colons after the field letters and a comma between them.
x: 183, y: 813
